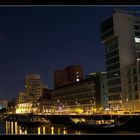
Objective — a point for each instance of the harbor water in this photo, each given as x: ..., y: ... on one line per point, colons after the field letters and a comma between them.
x: 14, y: 128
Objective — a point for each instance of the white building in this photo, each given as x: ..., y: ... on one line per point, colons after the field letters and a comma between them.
x: 121, y: 37
x: 24, y: 108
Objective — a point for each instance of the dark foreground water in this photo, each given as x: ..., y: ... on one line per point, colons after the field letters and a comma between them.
x: 13, y: 128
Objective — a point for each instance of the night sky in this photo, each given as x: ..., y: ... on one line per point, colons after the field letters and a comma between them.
x: 43, y: 39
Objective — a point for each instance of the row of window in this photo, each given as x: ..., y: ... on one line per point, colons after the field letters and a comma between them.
x: 76, y: 102
x: 75, y: 91
x: 75, y: 96
x: 106, y: 25
x: 135, y: 88
x: 113, y: 74
x: 137, y: 33
x: 136, y: 27
x: 114, y: 97
x: 114, y: 89
x: 111, y: 47
x: 109, y: 33
x: 114, y: 82
x: 135, y: 79
x: 112, y: 54
x: 80, y: 102
x: 137, y: 46
x: 111, y: 41
x: 132, y: 70
x: 135, y: 96
x: 113, y: 60
x: 112, y: 67
x: 74, y: 88
x: 24, y: 107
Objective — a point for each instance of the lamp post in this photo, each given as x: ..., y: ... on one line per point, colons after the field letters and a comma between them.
x: 58, y: 101
x: 91, y: 105
x: 90, y: 102
x: 120, y: 104
x: 127, y: 104
x: 43, y: 110
x: 76, y: 104
x: 38, y: 108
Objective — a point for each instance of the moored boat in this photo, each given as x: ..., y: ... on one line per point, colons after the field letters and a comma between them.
x: 32, y: 120
x: 94, y: 125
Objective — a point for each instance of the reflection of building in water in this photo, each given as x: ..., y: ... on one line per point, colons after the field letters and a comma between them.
x: 52, y: 130
x: 44, y: 130
x: 14, y: 128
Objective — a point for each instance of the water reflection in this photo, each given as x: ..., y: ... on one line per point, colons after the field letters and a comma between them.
x: 13, y: 128
x: 16, y: 128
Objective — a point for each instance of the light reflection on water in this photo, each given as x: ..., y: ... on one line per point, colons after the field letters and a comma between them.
x: 13, y: 128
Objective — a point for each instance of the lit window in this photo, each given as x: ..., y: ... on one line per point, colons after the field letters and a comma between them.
x: 77, y: 80
x: 137, y: 40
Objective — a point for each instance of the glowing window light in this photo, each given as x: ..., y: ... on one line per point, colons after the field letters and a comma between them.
x: 77, y: 80
x: 137, y: 40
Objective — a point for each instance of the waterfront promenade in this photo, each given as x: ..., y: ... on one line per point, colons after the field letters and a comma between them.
x: 131, y: 122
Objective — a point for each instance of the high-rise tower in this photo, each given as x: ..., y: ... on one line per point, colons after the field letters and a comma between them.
x: 31, y: 82
x: 120, y: 35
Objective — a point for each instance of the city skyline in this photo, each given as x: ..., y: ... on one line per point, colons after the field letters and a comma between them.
x: 43, y: 39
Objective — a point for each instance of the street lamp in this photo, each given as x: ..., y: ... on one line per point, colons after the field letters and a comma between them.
x: 58, y: 101
x: 94, y: 104
x: 127, y: 103
x: 90, y: 102
x: 120, y: 108
x: 78, y: 104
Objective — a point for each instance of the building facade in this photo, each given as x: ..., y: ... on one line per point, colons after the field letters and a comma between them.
x: 69, y: 75
x: 45, y: 102
x: 24, y: 108
x: 121, y: 37
x: 85, y: 95
x: 34, y: 89
x: 31, y: 82
x: 22, y: 98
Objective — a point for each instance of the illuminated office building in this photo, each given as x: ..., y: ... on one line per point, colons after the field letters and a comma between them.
x: 120, y: 35
x: 87, y: 94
